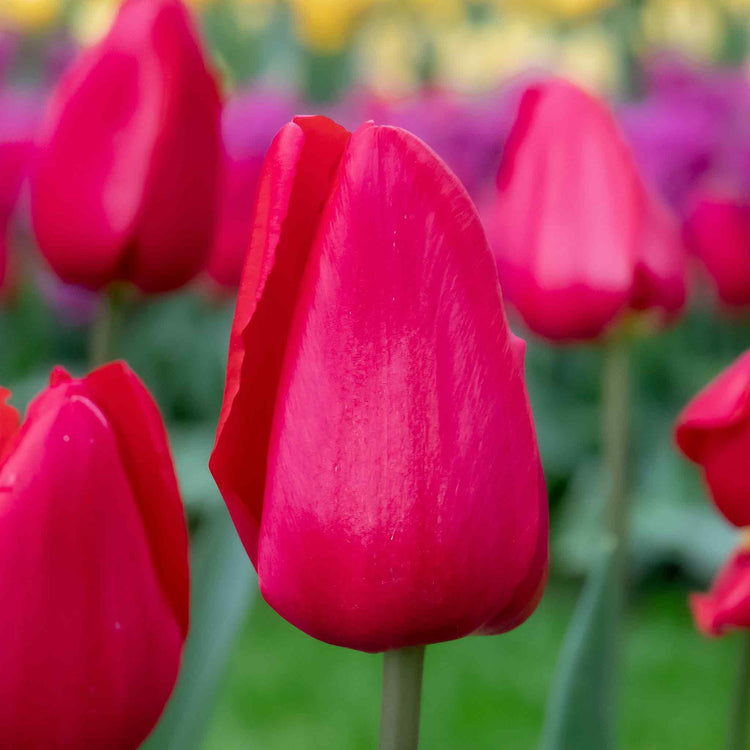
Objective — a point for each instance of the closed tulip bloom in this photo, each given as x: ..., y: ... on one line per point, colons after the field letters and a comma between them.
x: 727, y: 605
x: 376, y: 447
x: 125, y: 185
x: 718, y: 232
x: 578, y: 239
x: 94, y: 568
x: 714, y: 432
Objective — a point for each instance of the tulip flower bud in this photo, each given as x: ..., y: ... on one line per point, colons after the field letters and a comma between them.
x: 714, y: 431
x: 376, y: 447
x: 578, y: 240
x: 94, y: 575
x: 718, y: 232
x: 125, y: 184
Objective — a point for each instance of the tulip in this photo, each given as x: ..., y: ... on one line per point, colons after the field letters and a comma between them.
x: 249, y: 123
x: 728, y: 603
x: 714, y: 432
x: 718, y: 232
x: 94, y: 577
x: 578, y: 239
x: 376, y: 448
x: 125, y: 184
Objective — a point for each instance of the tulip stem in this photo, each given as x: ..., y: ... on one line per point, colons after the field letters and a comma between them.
x: 402, y: 692
x: 103, y: 330
x: 615, y: 395
x: 739, y: 717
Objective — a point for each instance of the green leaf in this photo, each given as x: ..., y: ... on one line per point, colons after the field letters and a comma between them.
x: 581, y: 712
x: 222, y: 590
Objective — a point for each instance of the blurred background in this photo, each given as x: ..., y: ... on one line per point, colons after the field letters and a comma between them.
x: 675, y: 72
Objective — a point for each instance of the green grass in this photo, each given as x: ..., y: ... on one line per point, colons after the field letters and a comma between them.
x: 286, y: 691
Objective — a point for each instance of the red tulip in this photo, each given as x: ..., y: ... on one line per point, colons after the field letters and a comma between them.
x: 94, y: 580
x: 578, y: 240
x: 728, y: 603
x: 376, y: 447
x: 125, y: 185
x: 714, y: 431
x: 718, y: 231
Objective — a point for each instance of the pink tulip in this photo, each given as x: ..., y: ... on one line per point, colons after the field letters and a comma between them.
x: 376, y: 447
x: 125, y: 184
x: 578, y: 239
x: 94, y: 567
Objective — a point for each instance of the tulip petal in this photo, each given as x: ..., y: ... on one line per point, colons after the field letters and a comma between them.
x: 292, y: 191
x: 144, y: 450
x: 661, y: 268
x: 175, y: 227
x: 718, y: 230
x: 402, y: 502
x: 727, y: 605
x: 714, y: 431
x: 720, y: 405
x: 565, y: 227
x: 80, y: 596
x: 93, y: 164
x: 8, y: 423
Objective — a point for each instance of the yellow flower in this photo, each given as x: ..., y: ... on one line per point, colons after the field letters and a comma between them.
x: 91, y: 19
x: 692, y: 26
x: 588, y: 57
x: 566, y: 9
x: 28, y: 15
x: 325, y: 25
x: 389, y: 57
x: 472, y: 58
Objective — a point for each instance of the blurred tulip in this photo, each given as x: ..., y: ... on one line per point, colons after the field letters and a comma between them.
x: 249, y: 124
x: 718, y: 232
x: 714, y: 431
x: 578, y: 240
x: 125, y: 184
x: 95, y: 570
x: 727, y: 605
x: 376, y: 447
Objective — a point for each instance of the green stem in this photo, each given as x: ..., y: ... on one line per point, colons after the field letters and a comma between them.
x: 103, y: 331
x: 615, y: 396
x: 739, y: 717
x: 402, y: 692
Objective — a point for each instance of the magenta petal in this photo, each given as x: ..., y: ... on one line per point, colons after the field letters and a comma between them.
x: 566, y: 224
x: 660, y: 272
x: 718, y: 230
x: 403, y: 502
x: 727, y: 605
x: 292, y: 191
x: 90, y: 646
x: 714, y: 431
